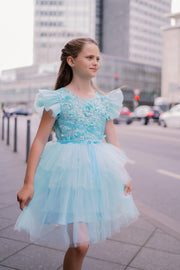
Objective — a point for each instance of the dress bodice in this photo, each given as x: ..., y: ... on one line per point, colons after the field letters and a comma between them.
x: 78, y: 118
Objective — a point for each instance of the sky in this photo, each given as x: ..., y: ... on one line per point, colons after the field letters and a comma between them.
x: 16, y: 32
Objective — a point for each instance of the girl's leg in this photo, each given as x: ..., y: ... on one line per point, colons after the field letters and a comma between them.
x: 74, y: 256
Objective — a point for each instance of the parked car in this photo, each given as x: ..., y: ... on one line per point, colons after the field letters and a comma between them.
x: 141, y: 113
x: 171, y: 118
x: 20, y: 112
x: 123, y: 116
x: 15, y: 111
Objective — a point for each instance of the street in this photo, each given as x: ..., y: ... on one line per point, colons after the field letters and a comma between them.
x: 154, y: 165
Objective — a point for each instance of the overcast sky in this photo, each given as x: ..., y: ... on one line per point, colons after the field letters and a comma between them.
x: 16, y: 32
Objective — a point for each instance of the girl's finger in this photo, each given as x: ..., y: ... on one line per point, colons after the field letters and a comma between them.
x: 126, y: 190
x: 27, y: 202
x: 21, y: 205
x: 130, y: 189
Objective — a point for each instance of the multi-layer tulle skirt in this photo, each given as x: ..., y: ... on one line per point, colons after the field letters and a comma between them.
x: 79, y: 195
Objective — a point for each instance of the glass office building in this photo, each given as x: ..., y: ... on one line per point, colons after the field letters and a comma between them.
x: 56, y: 22
x: 132, y: 29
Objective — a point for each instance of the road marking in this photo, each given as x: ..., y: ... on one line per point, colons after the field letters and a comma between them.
x: 130, y: 161
x: 174, y: 175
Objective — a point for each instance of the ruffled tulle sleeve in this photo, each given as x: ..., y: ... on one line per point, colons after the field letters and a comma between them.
x: 48, y: 100
x: 113, y: 104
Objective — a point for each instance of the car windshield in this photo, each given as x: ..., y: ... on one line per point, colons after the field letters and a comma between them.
x: 143, y: 109
x: 175, y: 108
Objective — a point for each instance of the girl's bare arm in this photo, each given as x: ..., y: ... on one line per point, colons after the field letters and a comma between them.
x: 26, y: 192
x: 111, y: 138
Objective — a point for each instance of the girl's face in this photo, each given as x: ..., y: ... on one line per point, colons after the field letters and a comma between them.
x: 86, y: 64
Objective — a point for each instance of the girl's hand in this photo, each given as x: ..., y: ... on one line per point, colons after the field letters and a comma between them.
x: 25, y: 195
x: 128, y: 188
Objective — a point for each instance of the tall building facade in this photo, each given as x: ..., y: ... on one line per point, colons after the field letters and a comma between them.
x: 171, y: 60
x: 132, y: 29
x: 56, y: 22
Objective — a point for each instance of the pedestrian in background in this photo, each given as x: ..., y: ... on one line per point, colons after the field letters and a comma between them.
x: 76, y: 190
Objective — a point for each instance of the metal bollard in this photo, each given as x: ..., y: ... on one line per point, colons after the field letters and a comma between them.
x: 8, y: 129
x: 28, y: 139
x: 15, y: 134
x: 3, y: 128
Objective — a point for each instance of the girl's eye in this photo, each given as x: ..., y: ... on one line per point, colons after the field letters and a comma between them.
x: 91, y: 57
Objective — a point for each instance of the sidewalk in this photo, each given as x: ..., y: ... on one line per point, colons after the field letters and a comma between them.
x: 145, y: 245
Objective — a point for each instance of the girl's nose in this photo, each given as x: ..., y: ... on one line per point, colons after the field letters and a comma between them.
x: 95, y: 62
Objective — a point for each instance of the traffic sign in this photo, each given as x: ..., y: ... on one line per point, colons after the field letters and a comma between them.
x: 136, y: 91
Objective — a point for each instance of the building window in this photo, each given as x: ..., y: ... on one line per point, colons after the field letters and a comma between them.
x: 43, y: 45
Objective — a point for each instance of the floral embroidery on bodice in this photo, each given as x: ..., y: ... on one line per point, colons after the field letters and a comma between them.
x: 79, y: 118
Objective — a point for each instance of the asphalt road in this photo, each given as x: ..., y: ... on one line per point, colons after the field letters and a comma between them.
x: 154, y: 166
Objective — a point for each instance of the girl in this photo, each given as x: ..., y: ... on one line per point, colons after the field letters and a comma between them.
x: 76, y: 190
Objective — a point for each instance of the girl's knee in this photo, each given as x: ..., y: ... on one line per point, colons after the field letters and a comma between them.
x: 82, y: 250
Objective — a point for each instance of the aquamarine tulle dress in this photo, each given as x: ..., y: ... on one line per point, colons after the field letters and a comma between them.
x: 79, y: 181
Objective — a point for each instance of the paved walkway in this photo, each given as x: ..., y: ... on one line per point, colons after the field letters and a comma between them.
x: 145, y: 245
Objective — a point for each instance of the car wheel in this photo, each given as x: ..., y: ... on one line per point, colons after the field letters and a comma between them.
x: 128, y: 122
x: 115, y: 121
x: 163, y: 123
x: 146, y: 121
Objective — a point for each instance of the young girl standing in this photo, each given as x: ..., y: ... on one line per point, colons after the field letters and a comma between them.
x: 76, y: 190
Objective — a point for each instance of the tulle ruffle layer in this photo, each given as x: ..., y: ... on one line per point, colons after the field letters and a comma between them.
x: 79, y: 195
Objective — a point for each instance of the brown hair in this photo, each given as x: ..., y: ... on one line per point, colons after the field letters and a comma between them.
x: 72, y: 48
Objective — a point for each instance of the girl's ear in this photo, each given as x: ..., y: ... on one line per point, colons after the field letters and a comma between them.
x: 70, y: 61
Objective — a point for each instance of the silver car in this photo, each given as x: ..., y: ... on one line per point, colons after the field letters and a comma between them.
x: 171, y: 118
